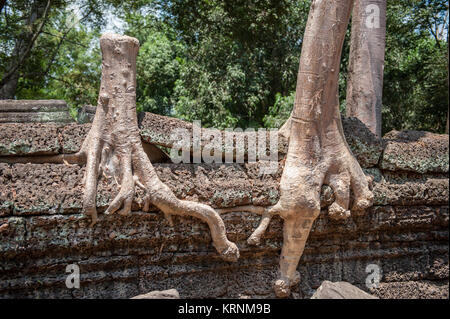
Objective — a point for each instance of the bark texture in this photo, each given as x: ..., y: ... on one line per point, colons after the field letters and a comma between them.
x: 366, y: 64
x: 113, y: 148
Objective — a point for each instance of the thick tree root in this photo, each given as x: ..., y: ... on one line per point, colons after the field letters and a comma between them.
x: 318, y: 153
x: 77, y: 158
x: 113, y: 149
x: 266, y: 212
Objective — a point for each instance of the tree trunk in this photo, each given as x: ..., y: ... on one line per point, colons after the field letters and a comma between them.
x: 366, y: 64
x: 8, y: 89
x: 113, y: 148
x: 318, y: 152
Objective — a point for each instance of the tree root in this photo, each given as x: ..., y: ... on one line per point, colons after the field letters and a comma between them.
x: 266, y: 212
x: 77, y: 158
x: 113, y: 148
x: 318, y: 153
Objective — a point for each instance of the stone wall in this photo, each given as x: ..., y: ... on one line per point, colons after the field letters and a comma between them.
x: 34, y: 111
x: 42, y: 229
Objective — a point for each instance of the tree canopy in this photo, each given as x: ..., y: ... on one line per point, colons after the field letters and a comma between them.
x: 226, y: 63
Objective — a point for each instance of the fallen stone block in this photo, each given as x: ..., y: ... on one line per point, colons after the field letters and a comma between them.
x: 166, y: 294
x: 340, y: 290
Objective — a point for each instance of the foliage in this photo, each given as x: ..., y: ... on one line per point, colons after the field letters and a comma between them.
x: 240, y: 55
x: 415, y: 86
x: 280, y: 111
x: 160, y: 59
x: 226, y: 63
x: 415, y: 89
x: 64, y: 61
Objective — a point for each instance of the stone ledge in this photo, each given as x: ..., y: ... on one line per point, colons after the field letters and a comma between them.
x: 156, y: 129
x: 33, y: 189
x: 30, y: 139
x: 416, y: 151
x: 413, y: 151
x: 33, y: 106
x: 34, y: 111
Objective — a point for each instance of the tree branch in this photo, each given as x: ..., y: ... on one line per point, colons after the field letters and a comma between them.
x: 62, y: 39
x: 441, y: 33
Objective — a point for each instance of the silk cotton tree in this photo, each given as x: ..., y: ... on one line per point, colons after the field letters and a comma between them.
x: 318, y: 153
x: 113, y: 147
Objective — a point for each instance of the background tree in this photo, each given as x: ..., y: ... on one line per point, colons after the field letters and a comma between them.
x: 415, y: 91
x: 240, y: 55
x: 160, y: 58
x: 46, y: 48
x: 32, y: 16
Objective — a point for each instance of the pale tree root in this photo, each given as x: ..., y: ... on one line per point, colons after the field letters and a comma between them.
x: 299, y: 206
x: 78, y: 158
x: 266, y: 212
x: 338, y: 210
x: 114, y: 149
x: 318, y: 152
x: 130, y: 166
x: 160, y: 195
x: 133, y: 168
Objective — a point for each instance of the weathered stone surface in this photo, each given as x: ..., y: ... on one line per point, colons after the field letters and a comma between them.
x: 36, y: 117
x: 407, y: 247
x: 407, y: 188
x: 5, y: 198
x: 156, y: 129
x: 34, y: 111
x: 32, y: 106
x: 416, y: 151
x: 29, y: 139
x: 42, y: 231
x: 86, y: 114
x: 340, y: 290
x: 413, y: 290
x: 72, y: 137
x: 25, y: 190
x: 363, y: 143
x: 409, y: 242
x: 166, y: 294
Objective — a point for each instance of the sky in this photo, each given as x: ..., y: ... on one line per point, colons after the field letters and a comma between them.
x: 114, y: 23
